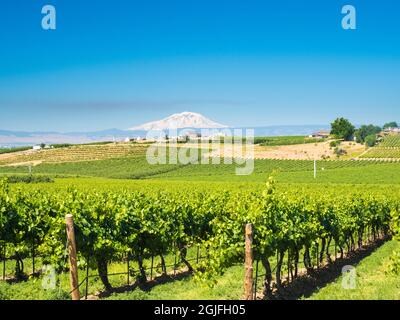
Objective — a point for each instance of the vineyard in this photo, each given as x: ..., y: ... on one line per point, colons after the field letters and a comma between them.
x: 285, y: 140
x: 388, y: 148
x: 135, y: 166
x: 141, y: 226
x: 199, y: 232
x: 75, y: 153
x: 12, y: 150
x: 382, y: 153
x: 392, y: 141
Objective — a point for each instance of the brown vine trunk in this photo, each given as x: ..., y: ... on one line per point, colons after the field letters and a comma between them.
x: 360, y: 238
x: 321, y: 254
x: 102, y: 268
x: 352, y: 243
x: 183, y: 253
x: 290, y: 265
x: 19, y: 267
x: 307, y: 260
x: 163, y: 265
x: 278, y: 269
x: 267, y: 277
x: 142, y: 277
x: 328, y: 255
x: 296, y: 262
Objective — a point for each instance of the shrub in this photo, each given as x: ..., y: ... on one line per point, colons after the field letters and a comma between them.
x: 339, y: 152
x: 334, y: 143
x: 29, y: 179
x: 370, y: 140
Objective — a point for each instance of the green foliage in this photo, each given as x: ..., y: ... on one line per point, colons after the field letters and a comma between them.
x: 335, y: 143
x: 285, y: 140
x: 284, y: 223
x: 138, y: 168
x: 388, y: 148
x: 370, y: 140
x: 29, y: 179
x: 61, y: 145
x: 12, y: 150
x: 395, y: 227
x: 392, y: 124
x: 390, y: 141
x: 365, y: 131
x: 394, y: 266
x: 109, y: 225
x: 342, y: 129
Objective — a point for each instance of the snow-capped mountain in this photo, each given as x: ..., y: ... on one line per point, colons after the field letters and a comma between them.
x: 180, y: 121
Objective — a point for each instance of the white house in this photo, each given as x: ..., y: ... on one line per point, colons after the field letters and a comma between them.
x: 392, y: 130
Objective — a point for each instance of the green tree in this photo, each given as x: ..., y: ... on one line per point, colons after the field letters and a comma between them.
x: 342, y: 129
x: 392, y: 124
x: 364, y: 131
x: 370, y: 140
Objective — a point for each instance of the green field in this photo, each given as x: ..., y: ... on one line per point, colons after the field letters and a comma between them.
x: 285, y: 140
x: 373, y: 282
x: 392, y: 141
x: 296, y: 171
x: 12, y: 150
x: 362, y: 184
x: 382, y: 153
x: 388, y: 148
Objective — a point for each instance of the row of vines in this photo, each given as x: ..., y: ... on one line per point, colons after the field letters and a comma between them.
x: 111, y: 225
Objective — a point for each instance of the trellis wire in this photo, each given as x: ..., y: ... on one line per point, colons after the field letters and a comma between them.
x: 365, y: 240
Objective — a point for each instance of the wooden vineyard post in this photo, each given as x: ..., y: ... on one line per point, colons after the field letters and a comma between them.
x: 248, y: 278
x: 315, y: 169
x: 73, y: 266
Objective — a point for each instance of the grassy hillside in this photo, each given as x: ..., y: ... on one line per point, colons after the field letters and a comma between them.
x: 388, y: 148
x: 288, y: 171
x: 129, y: 162
x: 373, y: 282
x: 285, y: 140
x: 76, y: 153
x: 392, y: 141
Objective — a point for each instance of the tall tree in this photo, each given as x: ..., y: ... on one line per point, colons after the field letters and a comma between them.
x: 365, y: 131
x: 392, y: 124
x: 342, y: 129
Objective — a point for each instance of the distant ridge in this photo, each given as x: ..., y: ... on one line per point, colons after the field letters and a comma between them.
x: 181, y: 121
x: 23, y: 138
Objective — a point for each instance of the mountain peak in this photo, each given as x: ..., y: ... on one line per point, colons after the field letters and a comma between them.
x: 180, y: 121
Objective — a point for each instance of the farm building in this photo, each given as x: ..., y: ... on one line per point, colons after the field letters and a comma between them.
x: 40, y: 147
x: 138, y: 139
x: 392, y: 131
x: 322, y: 134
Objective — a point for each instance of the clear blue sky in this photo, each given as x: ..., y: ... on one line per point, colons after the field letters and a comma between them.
x: 116, y: 64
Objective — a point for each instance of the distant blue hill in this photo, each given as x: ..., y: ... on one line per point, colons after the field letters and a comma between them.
x: 20, y: 138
